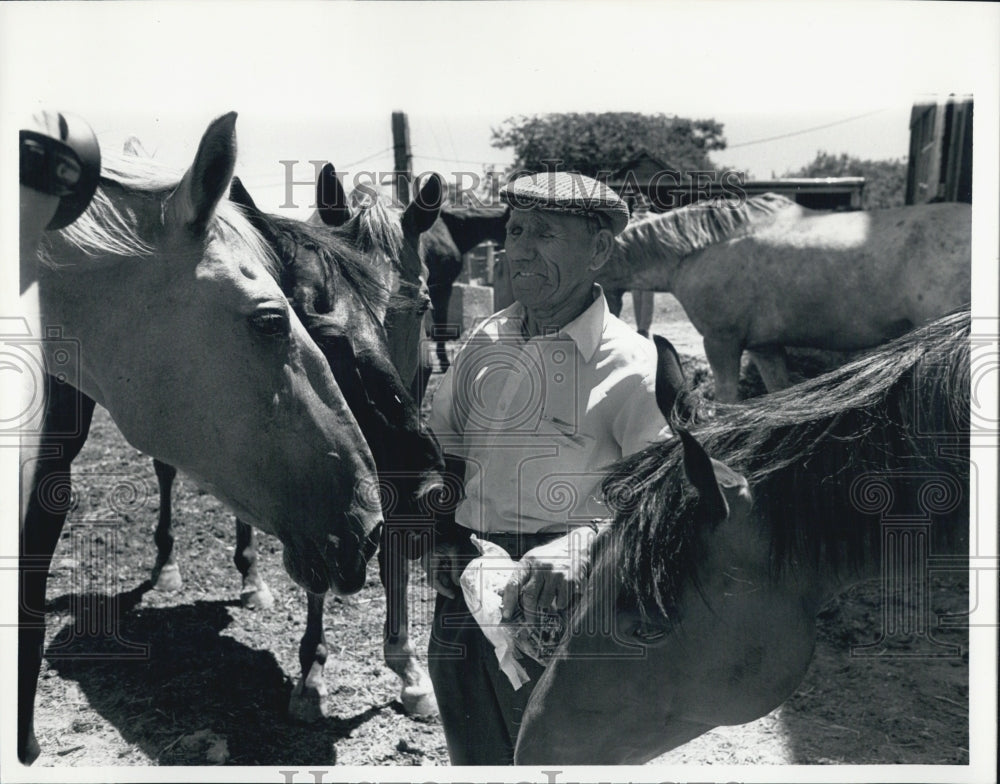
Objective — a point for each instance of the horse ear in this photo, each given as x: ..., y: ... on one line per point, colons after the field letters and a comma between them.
x: 194, y: 200
x: 701, y: 473
x: 331, y: 198
x: 238, y: 194
x: 671, y: 384
x: 426, y: 207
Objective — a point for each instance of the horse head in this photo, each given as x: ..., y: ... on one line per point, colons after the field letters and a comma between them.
x: 405, y: 322
x: 702, y: 599
x: 186, y: 339
x: 336, y: 280
x: 726, y: 647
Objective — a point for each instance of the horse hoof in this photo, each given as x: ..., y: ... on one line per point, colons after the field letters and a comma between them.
x: 257, y: 598
x: 418, y: 702
x: 28, y: 750
x: 167, y: 578
x: 307, y: 706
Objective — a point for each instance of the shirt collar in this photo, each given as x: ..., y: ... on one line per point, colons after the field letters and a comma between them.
x: 585, y: 330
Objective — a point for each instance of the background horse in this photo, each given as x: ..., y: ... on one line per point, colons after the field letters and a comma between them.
x: 354, y: 281
x: 767, y: 273
x: 397, y: 256
x: 701, y: 605
x: 168, y: 315
x: 455, y: 234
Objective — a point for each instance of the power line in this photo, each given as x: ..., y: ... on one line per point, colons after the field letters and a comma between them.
x: 457, y: 160
x: 271, y: 175
x: 804, y: 130
x: 367, y: 158
x: 437, y: 141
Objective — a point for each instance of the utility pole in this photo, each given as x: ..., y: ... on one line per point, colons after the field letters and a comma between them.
x: 403, y: 160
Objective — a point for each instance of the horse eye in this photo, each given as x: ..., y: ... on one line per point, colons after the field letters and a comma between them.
x: 270, y: 322
x: 648, y: 632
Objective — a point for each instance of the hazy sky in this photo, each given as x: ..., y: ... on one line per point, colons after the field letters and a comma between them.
x: 319, y: 81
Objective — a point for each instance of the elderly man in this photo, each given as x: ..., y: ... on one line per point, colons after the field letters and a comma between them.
x: 545, y: 395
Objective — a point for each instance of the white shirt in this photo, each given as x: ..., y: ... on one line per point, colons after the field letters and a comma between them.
x: 539, y: 421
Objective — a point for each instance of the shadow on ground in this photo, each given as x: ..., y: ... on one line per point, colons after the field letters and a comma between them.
x: 172, y: 684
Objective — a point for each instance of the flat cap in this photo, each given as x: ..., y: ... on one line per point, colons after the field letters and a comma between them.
x: 567, y: 192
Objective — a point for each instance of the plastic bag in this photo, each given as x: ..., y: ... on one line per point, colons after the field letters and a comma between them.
x: 482, y: 583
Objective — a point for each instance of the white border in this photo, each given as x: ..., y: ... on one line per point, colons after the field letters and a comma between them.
x: 526, y: 42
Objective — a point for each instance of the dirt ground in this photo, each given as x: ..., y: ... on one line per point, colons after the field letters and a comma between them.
x: 133, y: 677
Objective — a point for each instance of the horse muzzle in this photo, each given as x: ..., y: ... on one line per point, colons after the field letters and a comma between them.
x: 337, y: 564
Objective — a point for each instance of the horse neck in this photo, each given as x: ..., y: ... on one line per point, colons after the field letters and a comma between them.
x: 87, y: 307
x: 468, y: 231
x: 635, y: 264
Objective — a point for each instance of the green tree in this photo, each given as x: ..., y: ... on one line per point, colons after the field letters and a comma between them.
x: 885, y: 181
x: 602, y: 143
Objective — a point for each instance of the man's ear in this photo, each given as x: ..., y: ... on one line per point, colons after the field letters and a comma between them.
x: 602, y: 246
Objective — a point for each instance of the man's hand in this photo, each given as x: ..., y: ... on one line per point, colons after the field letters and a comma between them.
x: 443, y: 568
x: 550, y: 576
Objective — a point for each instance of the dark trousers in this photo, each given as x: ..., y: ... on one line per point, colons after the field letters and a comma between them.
x: 480, y: 710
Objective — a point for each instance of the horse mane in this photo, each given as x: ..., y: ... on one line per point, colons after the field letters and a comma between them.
x: 689, y: 229
x: 373, y: 229
x: 801, y: 451
x: 336, y: 252
x: 109, y: 228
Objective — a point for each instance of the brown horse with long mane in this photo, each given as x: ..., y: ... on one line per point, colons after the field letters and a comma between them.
x: 355, y: 282
x: 766, y: 273
x: 700, y: 609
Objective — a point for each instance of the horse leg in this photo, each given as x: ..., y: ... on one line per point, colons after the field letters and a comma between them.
x: 772, y: 363
x: 724, y: 359
x: 417, y: 694
x: 308, y: 701
x: 614, y: 298
x: 642, y: 306
x: 166, y: 574
x: 442, y: 331
x: 503, y: 292
x: 68, y: 414
x: 255, y: 594
x: 418, y: 387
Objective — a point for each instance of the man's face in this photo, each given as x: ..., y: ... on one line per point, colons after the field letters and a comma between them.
x: 549, y: 254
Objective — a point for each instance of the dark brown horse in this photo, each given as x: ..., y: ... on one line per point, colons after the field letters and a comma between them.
x: 701, y: 605
x: 455, y: 234
x: 354, y: 281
